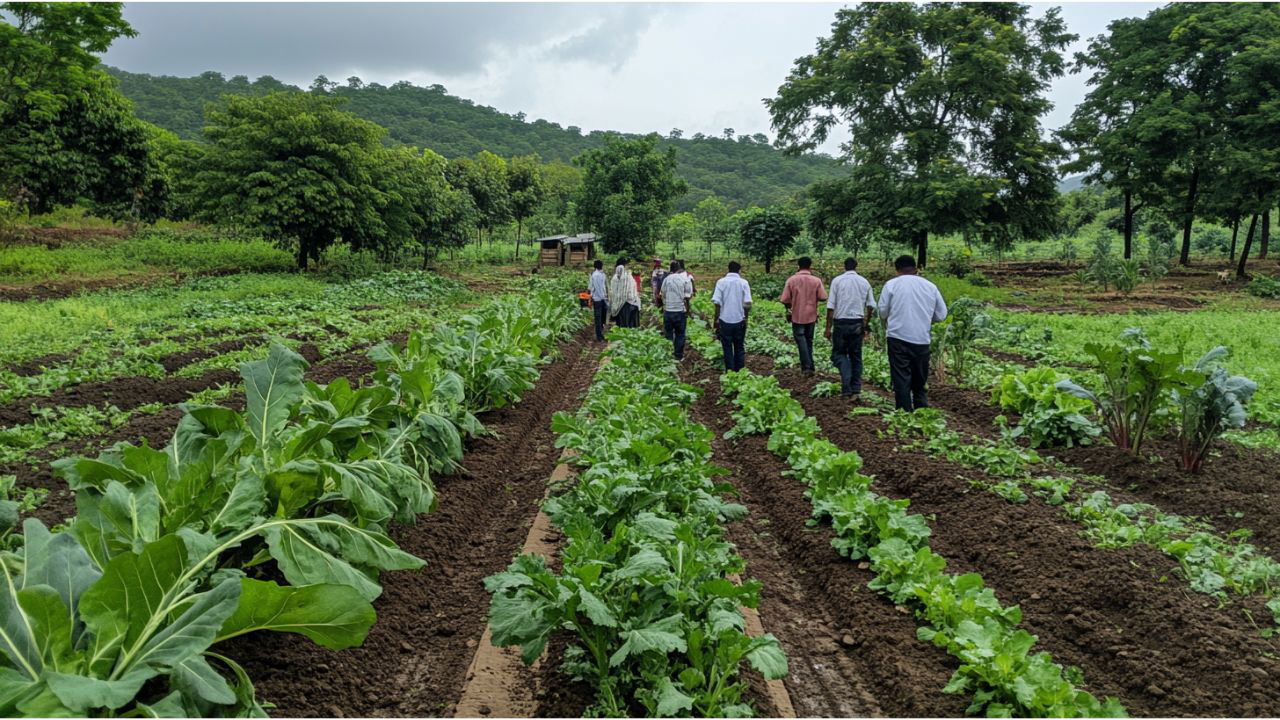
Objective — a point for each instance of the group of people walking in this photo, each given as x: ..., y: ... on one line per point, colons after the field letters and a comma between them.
x: 909, y: 306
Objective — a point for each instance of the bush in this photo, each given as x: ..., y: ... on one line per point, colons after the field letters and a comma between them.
x: 1212, y: 240
x: 1050, y: 416
x: 1264, y: 287
x: 978, y: 279
x: 956, y: 263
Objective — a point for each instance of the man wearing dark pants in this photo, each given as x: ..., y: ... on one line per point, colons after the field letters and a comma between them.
x: 732, y: 300
x: 599, y: 299
x: 910, y: 305
x: 849, y: 306
x: 801, y: 295
x: 676, y: 291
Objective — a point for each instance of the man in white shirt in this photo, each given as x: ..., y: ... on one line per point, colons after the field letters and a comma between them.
x: 732, y: 299
x: 599, y: 298
x: 676, y: 291
x: 910, y: 305
x: 849, y: 304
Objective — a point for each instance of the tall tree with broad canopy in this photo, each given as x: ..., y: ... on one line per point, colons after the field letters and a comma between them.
x: 421, y: 205
x: 484, y: 177
x: 526, y: 190
x: 627, y: 189
x: 943, y: 104
x: 297, y: 167
x: 66, y: 133
x: 710, y: 215
x: 766, y: 234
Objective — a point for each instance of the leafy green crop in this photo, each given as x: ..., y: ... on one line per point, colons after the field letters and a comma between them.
x: 1050, y: 416
x: 1210, y: 409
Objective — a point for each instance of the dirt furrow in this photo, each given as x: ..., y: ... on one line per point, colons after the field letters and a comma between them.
x: 851, y: 653
x: 1123, y: 616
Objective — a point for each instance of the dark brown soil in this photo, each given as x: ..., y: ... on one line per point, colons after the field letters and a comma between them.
x: 1239, y: 487
x: 415, y: 659
x: 125, y: 393
x: 177, y: 361
x: 851, y: 652
x: 39, y: 365
x: 1124, y: 617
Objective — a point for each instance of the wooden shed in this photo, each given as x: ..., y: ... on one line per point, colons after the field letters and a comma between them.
x: 566, y: 249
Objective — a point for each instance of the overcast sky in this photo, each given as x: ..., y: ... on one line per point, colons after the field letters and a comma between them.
x: 634, y: 67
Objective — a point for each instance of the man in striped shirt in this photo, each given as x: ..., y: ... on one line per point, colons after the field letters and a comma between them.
x: 849, y: 305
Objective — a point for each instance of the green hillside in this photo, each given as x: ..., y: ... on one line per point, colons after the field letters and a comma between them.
x: 743, y: 171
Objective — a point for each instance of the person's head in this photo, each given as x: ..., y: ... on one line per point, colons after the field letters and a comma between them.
x: 622, y: 261
x: 675, y: 266
x: 905, y: 265
x: 805, y: 262
x: 735, y: 266
x: 657, y: 263
x: 850, y: 264
x: 599, y: 264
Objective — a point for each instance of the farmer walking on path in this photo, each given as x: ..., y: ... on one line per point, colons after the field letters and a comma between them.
x: 732, y: 299
x: 850, y: 305
x: 656, y: 278
x: 910, y: 305
x: 676, y: 291
x: 624, y: 296
x: 599, y: 299
x: 801, y: 295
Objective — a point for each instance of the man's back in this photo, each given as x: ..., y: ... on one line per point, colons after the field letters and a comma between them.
x: 910, y: 305
x: 675, y: 290
x: 803, y: 292
x: 850, y: 296
x: 732, y: 293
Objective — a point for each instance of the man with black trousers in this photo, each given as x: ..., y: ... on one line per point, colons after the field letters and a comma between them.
x: 732, y: 300
x: 849, y: 304
x: 599, y: 298
x: 675, y: 293
x: 910, y: 305
x: 801, y: 294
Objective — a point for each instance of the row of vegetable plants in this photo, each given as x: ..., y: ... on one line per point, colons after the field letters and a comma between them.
x: 644, y: 589
x: 273, y: 518
x: 961, y: 615
x: 1212, y: 563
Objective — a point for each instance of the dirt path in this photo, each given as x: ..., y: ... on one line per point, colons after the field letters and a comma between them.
x: 415, y: 660
x: 1123, y: 617
x: 851, y: 653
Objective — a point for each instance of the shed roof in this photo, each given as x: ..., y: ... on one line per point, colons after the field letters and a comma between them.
x: 552, y: 237
x: 580, y: 239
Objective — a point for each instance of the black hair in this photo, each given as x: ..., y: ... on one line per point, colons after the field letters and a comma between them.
x: 734, y: 266
x: 598, y: 264
x: 805, y: 262
x: 675, y: 266
x: 904, y: 262
x: 850, y: 264
x: 621, y: 261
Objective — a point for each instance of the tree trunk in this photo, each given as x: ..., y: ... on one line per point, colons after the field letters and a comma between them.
x: 768, y: 265
x: 1235, y: 230
x: 302, y: 255
x: 1128, y: 224
x: 519, y: 231
x: 1189, y: 213
x: 1244, y: 254
x: 426, y: 256
x: 1265, y: 239
x: 922, y: 249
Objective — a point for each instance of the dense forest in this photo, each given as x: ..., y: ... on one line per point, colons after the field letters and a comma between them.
x: 745, y: 170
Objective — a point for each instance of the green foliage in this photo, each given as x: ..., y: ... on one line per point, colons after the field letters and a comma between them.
x: 956, y: 262
x: 944, y: 154
x: 1102, y: 268
x: 1264, y: 287
x: 1135, y: 382
x: 1212, y: 407
x: 959, y: 613
x: 296, y: 167
x: 627, y: 190
x: 954, y: 342
x: 1049, y: 416
x: 742, y: 171
x: 643, y: 591
x: 766, y: 234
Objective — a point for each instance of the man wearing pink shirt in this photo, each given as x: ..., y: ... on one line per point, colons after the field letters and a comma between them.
x: 801, y: 295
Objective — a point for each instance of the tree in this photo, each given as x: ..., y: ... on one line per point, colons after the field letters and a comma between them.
x: 943, y: 104
x: 295, y: 166
x: 421, y: 206
x: 627, y: 189
x: 66, y: 134
x: 525, y: 189
x: 484, y: 177
x: 681, y: 228
x: 710, y: 216
x: 766, y: 234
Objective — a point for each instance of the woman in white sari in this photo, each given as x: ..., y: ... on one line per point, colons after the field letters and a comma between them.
x: 624, y: 298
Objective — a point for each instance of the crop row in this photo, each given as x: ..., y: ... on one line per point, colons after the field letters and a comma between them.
x: 173, y: 550
x: 645, y: 588
x: 960, y: 614
x: 1212, y: 564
